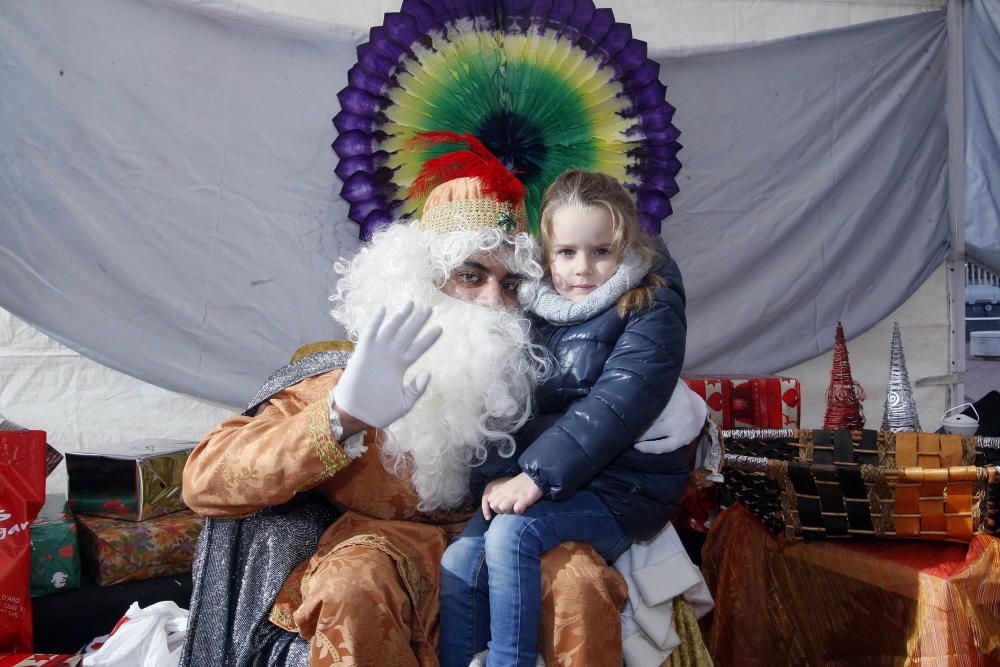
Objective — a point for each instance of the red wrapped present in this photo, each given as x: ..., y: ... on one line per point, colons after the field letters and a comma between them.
x: 736, y: 401
x: 52, y: 455
x: 40, y: 660
x: 114, y: 551
x: 750, y: 401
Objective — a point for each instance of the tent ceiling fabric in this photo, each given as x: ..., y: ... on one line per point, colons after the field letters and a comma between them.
x: 814, y: 187
x: 662, y: 24
x: 982, y: 132
x: 170, y: 207
x: 152, y: 159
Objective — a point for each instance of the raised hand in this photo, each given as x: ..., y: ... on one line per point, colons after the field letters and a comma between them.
x: 371, y: 388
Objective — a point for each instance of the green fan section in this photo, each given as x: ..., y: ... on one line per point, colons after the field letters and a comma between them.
x: 462, y: 81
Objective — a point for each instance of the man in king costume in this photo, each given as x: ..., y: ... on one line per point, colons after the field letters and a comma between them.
x: 443, y: 369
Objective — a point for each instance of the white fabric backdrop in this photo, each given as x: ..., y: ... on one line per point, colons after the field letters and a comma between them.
x: 83, y: 405
x: 171, y: 207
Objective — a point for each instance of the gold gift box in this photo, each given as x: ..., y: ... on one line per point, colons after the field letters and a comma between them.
x: 133, y: 481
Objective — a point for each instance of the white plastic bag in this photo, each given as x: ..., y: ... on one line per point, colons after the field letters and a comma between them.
x: 150, y: 637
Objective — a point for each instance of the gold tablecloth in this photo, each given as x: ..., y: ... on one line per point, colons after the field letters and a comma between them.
x: 890, y: 602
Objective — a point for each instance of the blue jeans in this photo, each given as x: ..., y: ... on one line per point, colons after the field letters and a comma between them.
x: 491, y: 582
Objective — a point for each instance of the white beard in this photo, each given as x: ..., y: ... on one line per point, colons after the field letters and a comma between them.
x: 483, y: 368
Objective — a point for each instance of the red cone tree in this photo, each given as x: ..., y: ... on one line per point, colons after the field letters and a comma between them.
x: 843, y: 397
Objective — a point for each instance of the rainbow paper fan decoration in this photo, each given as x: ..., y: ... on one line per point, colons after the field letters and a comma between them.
x: 545, y: 85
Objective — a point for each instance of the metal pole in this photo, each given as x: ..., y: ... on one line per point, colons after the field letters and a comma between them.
x: 955, y: 104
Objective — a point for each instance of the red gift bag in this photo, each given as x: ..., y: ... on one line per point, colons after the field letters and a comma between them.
x: 22, y: 494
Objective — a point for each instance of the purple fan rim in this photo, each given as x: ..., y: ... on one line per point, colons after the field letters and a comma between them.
x: 593, y: 29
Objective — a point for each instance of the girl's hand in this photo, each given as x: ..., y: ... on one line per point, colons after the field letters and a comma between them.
x: 510, y: 495
x: 485, y: 501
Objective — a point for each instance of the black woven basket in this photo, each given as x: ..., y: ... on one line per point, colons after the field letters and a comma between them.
x: 844, y: 484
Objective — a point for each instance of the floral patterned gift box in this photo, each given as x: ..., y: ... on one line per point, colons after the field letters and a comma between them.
x: 115, y: 551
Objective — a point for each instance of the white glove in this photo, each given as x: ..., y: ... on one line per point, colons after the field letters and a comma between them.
x: 371, y: 388
x: 680, y: 422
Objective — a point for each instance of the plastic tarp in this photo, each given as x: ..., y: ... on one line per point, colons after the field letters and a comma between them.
x: 169, y: 206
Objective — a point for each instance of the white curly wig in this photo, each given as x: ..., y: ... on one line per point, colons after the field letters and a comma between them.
x: 484, y: 368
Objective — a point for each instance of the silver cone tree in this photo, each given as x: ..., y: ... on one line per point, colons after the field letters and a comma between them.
x: 900, y: 411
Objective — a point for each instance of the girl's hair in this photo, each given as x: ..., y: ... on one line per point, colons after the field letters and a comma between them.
x: 585, y: 190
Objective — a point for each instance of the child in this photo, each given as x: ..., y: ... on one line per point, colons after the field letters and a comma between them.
x: 617, y: 334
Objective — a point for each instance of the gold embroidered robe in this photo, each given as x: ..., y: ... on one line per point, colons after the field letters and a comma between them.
x: 369, y: 595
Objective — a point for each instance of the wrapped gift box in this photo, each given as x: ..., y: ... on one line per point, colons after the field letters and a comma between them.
x: 40, y: 660
x: 750, y: 401
x: 52, y: 455
x: 134, y: 481
x: 737, y: 401
x: 55, y: 556
x: 115, y: 551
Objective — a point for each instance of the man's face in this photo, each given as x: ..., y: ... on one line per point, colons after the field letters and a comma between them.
x: 485, y: 280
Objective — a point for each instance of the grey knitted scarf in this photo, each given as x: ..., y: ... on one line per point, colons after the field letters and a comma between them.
x: 542, y: 299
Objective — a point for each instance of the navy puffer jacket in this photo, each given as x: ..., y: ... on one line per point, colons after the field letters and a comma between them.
x: 612, y: 378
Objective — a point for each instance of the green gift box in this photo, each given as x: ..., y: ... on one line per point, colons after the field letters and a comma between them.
x: 55, y: 555
x: 116, y: 551
x: 132, y: 481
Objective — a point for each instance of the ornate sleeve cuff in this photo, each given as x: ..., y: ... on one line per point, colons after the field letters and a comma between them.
x: 355, y: 445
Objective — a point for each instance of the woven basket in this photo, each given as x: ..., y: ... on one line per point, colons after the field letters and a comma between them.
x: 842, y: 484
